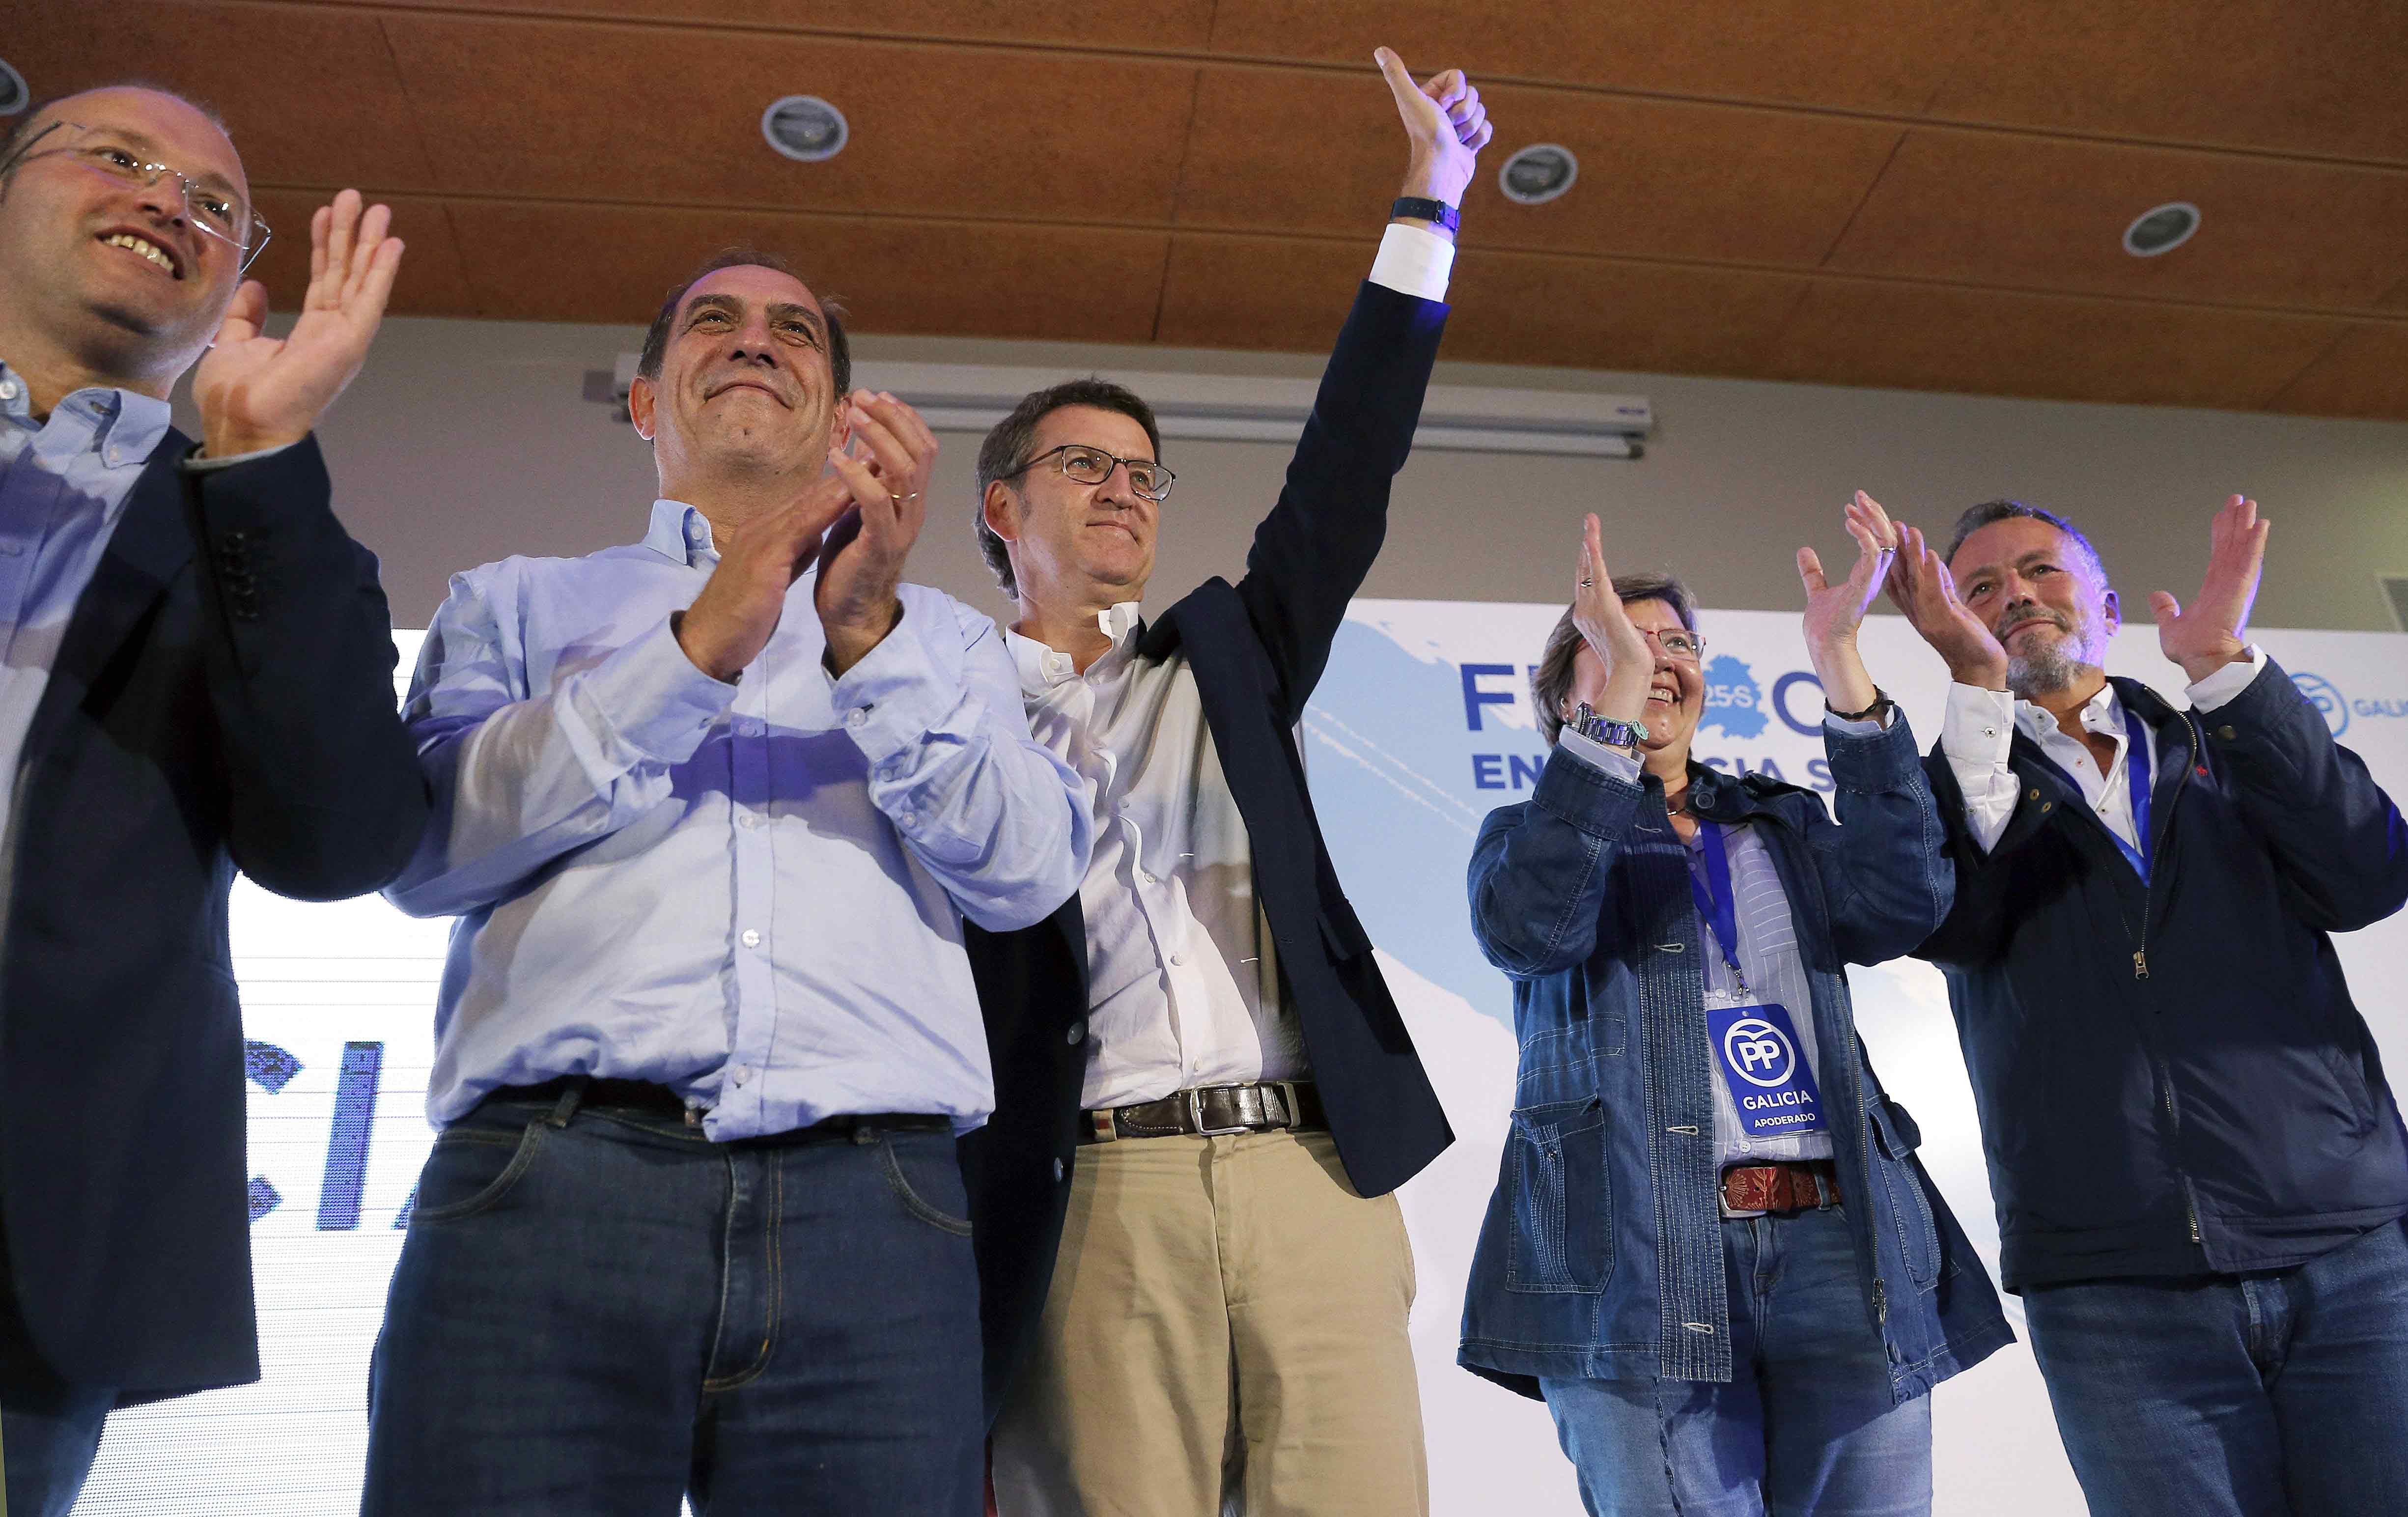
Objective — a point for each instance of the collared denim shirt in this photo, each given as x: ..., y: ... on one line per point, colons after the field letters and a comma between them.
x: 1602, y: 1254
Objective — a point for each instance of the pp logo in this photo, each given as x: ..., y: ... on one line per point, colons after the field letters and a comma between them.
x: 2326, y: 698
x: 1758, y: 1052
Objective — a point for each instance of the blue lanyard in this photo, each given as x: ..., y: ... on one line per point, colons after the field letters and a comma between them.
x: 2136, y: 774
x: 1717, y: 906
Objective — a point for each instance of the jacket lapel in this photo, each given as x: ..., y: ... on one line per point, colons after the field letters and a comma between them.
x: 150, y: 545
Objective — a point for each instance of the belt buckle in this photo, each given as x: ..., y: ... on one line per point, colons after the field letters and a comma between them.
x: 1196, y: 1116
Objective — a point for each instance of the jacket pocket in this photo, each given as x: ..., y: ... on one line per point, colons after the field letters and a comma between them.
x: 1562, y: 1200
x: 1897, y: 1137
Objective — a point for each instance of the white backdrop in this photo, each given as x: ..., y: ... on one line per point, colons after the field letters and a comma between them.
x: 1415, y: 733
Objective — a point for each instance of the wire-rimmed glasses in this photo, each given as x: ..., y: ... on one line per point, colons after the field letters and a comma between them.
x: 214, y: 210
x: 1093, y: 466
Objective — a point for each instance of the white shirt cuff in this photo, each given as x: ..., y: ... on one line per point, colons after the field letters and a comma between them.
x: 1413, y: 262
x: 1979, y: 726
x: 1613, y: 760
x: 2230, y: 680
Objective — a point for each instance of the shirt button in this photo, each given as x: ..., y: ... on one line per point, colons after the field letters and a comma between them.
x: 752, y: 938
x: 750, y: 727
x: 116, y: 455
x: 855, y: 717
x: 1057, y: 1171
x: 1078, y: 1033
x: 7, y: 389
x: 751, y: 819
x: 1989, y: 732
x: 1143, y: 878
x: 739, y: 1074
x: 1177, y: 959
x: 907, y: 819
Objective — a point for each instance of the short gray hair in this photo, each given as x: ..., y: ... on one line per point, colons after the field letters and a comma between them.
x: 1552, y: 680
x: 1978, y: 517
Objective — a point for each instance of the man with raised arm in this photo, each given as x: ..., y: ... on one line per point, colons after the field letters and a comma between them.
x: 1196, y: 1283
x: 714, y: 809
x: 198, y: 678
x: 2199, y: 1169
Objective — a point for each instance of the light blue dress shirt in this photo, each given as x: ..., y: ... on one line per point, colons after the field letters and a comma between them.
x: 751, y: 892
x: 63, y: 484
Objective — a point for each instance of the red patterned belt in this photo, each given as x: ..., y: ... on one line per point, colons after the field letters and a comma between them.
x: 1782, y: 1187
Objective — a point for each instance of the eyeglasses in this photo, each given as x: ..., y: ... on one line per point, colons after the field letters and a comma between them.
x: 1093, y: 466
x: 1687, y: 647
x: 219, y: 213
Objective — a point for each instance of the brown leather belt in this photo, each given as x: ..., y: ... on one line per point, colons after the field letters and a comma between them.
x: 1781, y: 1187
x: 1210, y: 1109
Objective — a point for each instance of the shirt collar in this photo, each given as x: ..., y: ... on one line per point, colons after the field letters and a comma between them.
x: 2102, y: 713
x: 125, y: 425
x: 682, y: 533
x: 1042, y: 667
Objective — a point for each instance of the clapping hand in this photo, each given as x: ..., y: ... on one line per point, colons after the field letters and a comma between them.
x: 862, y: 561
x: 257, y: 392
x: 2207, y: 636
x: 1834, y: 612
x: 1605, y: 626
x: 1921, y: 586
x: 1447, y: 125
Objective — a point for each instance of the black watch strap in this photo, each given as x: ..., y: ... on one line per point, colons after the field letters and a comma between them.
x: 1417, y: 208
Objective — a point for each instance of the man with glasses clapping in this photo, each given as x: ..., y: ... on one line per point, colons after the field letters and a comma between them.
x: 195, y: 677
x: 1190, y: 1258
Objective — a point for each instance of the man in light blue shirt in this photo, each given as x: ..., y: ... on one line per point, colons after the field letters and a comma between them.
x: 712, y: 809
x: 195, y: 677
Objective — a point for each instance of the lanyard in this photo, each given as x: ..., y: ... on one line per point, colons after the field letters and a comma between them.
x: 1717, y: 906
x: 2136, y: 775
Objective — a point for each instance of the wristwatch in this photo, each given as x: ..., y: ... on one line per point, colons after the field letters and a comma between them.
x: 1610, y: 731
x: 1420, y: 209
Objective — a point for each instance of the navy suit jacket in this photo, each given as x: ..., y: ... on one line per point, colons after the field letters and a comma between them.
x: 223, y: 699
x: 1257, y: 648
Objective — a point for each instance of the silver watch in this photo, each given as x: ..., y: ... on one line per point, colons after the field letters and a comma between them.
x: 1610, y: 731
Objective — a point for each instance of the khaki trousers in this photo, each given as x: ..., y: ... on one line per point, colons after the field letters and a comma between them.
x: 1225, y: 1333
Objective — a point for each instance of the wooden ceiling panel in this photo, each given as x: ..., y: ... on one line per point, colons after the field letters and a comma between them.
x: 593, y: 111
x: 1264, y: 292
x: 1275, y: 149
x: 431, y: 281
x: 2044, y: 214
x: 2365, y: 373
x: 2321, y: 79
x: 240, y: 60
x: 1878, y: 55
x: 2062, y: 346
x: 1070, y: 284
x: 1166, y: 26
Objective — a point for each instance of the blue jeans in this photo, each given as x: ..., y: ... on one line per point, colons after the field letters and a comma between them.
x: 600, y: 1314
x: 1807, y: 1423
x: 2235, y: 1395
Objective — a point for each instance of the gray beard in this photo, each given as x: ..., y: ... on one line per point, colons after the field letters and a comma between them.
x: 2053, y: 668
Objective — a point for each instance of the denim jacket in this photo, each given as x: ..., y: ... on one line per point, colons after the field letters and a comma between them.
x: 1602, y: 1254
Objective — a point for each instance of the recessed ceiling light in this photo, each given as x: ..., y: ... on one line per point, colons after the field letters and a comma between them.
x: 14, y: 96
x: 1538, y: 174
x: 2161, y: 230
x: 805, y: 127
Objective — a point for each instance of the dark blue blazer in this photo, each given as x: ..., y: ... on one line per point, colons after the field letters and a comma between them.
x: 1257, y: 648
x: 2228, y: 1113
x: 223, y: 699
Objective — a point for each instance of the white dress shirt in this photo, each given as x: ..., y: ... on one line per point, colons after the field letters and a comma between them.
x: 1982, y: 724
x: 1182, y: 987
x: 1182, y: 983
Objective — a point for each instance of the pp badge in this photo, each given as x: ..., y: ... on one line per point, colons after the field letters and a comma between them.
x: 1770, y: 1085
